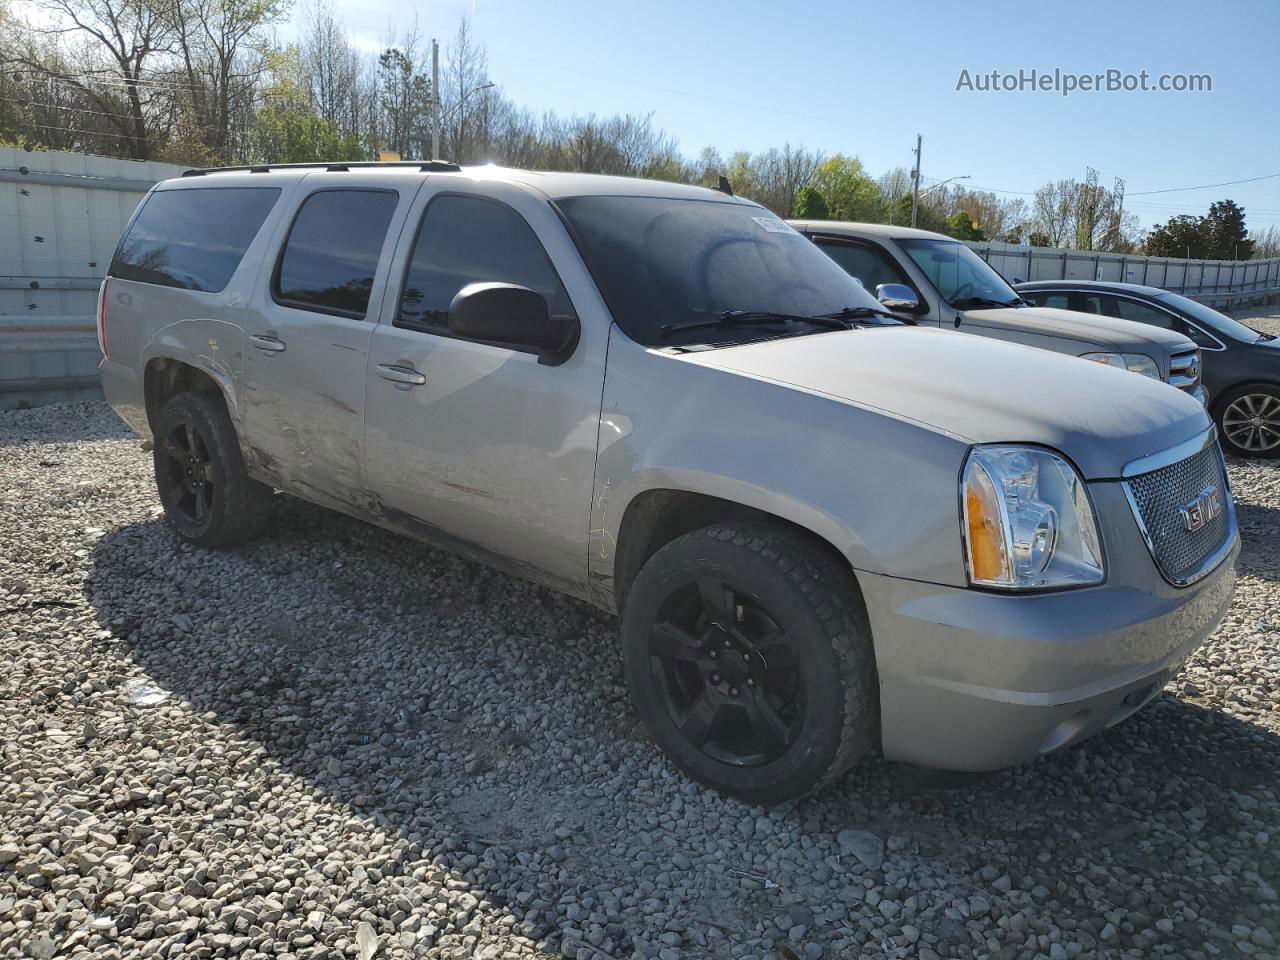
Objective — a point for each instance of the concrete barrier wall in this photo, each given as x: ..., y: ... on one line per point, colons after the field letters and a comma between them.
x: 60, y: 217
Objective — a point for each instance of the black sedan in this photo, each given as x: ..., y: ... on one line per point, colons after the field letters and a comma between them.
x: 1240, y: 365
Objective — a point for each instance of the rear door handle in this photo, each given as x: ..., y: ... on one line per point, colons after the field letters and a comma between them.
x: 270, y: 344
x: 398, y: 374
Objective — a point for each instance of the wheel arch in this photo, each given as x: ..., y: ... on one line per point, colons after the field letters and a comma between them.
x: 1219, y: 401
x: 164, y: 378
x: 656, y: 516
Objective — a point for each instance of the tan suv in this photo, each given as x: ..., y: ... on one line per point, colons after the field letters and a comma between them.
x: 824, y: 531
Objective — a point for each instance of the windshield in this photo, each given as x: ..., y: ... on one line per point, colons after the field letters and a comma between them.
x: 663, y: 263
x: 959, y: 274
x: 1218, y: 323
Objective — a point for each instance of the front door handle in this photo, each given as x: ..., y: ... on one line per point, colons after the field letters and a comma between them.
x: 270, y: 344
x: 398, y: 374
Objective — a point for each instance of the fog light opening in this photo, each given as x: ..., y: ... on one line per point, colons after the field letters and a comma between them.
x: 1065, y: 732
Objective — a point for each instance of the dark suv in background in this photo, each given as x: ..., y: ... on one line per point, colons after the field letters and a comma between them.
x: 1240, y: 366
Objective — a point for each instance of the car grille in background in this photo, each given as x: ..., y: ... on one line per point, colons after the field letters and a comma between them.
x: 1158, y: 499
x: 1184, y: 371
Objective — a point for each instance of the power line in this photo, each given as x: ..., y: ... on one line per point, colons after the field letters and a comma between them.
x: 87, y: 133
x: 1207, y: 186
x: 69, y: 109
x: 147, y: 84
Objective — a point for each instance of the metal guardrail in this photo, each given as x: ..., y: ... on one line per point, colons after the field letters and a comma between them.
x: 48, y: 360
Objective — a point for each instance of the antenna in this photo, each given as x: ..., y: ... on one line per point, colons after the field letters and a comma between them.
x: 724, y: 187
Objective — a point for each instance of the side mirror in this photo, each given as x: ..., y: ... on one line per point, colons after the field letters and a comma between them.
x: 897, y: 296
x: 509, y: 315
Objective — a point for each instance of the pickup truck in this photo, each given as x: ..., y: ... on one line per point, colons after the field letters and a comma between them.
x: 824, y: 532
x: 931, y: 279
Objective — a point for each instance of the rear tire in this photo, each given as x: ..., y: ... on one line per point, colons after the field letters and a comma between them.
x: 749, y: 658
x: 1248, y: 420
x: 207, y: 493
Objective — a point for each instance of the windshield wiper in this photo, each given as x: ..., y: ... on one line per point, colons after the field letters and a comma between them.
x: 987, y: 302
x: 731, y: 318
x: 860, y: 313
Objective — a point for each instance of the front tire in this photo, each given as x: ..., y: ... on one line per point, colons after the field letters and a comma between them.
x: 749, y: 658
x: 207, y: 493
x: 1248, y: 420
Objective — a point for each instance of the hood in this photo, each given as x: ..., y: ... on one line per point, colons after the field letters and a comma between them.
x: 980, y: 390
x: 1094, y: 332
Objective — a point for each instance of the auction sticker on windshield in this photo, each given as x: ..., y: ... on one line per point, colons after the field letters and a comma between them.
x: 774, y: 225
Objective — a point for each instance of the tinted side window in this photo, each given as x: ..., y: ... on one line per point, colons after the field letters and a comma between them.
x: 862, y: 262
x: 1140, y: 312
x: 331, y: 255
x: 1059, y: 301
x: 1199, y: 337
x: 192, y: 238
x: 465, y: 240
x: 1103, y: 306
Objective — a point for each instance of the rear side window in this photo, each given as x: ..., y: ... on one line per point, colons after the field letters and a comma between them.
x: 331, y: 256
x: 193, y: 239
x: 466, y: 240
x: 1059, y: 301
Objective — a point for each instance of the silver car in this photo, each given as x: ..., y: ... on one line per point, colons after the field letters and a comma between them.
x: 825, y: 532
x: 935, y: 280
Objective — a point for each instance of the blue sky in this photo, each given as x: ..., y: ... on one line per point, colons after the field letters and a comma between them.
x: 864, y: 77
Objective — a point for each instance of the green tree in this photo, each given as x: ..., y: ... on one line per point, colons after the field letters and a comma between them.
x: 289, y: 135
x: 961, y: 226
x: 1226, y: 236
x: 849, y: 192
x: 1221, y: 235
x: 928, y: 217
x: 1182, y: 236
x: 811, y: 205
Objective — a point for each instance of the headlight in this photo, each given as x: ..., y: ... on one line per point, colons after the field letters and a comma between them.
x: 1027, y: 520
x: 1133, y: 362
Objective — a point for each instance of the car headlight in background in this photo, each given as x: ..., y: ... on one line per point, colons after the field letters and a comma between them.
x: 1133, y: 362
x: 1027, y: 520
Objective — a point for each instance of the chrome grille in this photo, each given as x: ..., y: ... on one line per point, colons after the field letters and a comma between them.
x: 1161, y: 500
x: 1184, y: 371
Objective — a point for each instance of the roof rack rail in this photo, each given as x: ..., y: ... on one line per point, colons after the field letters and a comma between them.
x: 425, y: 166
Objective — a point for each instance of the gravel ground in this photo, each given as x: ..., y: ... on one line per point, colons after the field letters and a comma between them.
x: 370, y: 748
x: 1265, y: 318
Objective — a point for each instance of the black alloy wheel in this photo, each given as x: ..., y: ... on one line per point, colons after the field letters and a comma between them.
x: 728, y: 677
x: 189, y: 473
x: 748, y: 655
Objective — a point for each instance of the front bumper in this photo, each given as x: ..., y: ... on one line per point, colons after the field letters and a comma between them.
x: 971, y: 680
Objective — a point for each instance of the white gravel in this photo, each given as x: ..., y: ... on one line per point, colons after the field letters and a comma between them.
x: 372, y: 749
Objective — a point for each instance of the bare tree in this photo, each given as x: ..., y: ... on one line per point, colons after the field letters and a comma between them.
x: 124, y: 37
x: 221, y: 45
x: 465, y: 108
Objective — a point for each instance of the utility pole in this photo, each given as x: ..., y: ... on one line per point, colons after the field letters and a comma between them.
x: 435, y: 100
x: 915, y: 183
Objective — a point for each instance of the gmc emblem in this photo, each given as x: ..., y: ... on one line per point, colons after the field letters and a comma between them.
x: 1197, y: 512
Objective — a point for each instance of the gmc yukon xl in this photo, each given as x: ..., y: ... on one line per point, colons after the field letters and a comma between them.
x: 824, y: 531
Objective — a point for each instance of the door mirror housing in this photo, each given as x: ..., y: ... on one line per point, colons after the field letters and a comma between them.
x: 510, y: 315
x: 899, y: 297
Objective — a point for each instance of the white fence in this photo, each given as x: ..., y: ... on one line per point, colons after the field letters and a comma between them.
x: 1221, y: 282
x: 60, y: 217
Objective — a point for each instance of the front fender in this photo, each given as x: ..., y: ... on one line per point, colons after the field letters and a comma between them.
x: 881, y: 490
